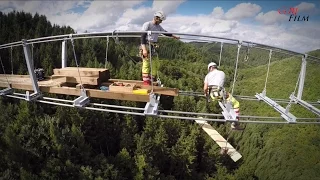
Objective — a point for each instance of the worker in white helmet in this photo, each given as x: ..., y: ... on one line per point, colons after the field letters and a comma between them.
x: 153, y: 25
x: 214, y: 82
x: 214, y: 88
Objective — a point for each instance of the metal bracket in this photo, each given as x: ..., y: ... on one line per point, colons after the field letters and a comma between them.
x: 306, y: 105
x: 302, y: 76
x: 82, y: 100
x: 6, y: 91
x: 64, y: 53
x: 228, y: 112
x: 151, y: 107
x: 33, y: 96
x: 32, y: 74
x: 284, y: 112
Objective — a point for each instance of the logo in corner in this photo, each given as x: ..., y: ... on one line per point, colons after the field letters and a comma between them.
x: 294, y: 16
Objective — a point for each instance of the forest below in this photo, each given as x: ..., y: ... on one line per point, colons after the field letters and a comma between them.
x: 39, y: 141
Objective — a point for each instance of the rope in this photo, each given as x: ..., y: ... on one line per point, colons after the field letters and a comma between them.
x: 75, y: 58
x: 150, y: 55
x: 297, y: 83
x: 4, y: 72
x: 235, y: 73
x: 265, y: 83
x: 105, y: 65
x: 11, y: 61
x: 246, y: 58
x: 220, y: 52
x: 225, y: 148
x: 32, y: 56
x: 117, y: 42
x: 293, y: 93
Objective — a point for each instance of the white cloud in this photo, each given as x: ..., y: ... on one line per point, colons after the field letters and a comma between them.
x: 271, y: 17
x: 167, y: 7
x: 218, y: 12
x: 305, y: 7
x: 124, y: 15
x: 103, y: 15
x: 243, y: 10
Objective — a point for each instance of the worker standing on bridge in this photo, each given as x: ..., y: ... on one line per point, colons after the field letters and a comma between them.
x: 153, y: 25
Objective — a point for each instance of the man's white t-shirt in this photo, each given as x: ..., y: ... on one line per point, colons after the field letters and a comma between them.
x: 149, y: 26
x: 215, y: 78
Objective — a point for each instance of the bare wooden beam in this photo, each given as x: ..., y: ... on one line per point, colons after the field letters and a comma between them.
x: 76, y: 79
x: 73, y: 71
x: 76, y: 92
x: 139, y: 84
x: 128, y: 81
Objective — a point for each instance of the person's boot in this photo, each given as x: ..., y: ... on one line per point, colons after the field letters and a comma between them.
x: 235, y: 126
x: 146, y: 79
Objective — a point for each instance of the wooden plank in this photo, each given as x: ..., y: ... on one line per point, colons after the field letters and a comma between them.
x: 76, y: 79
x: 220, y: 140
x: 103, y: 74
x: 162, y: 90
x: 129, y: 81
x: 76, y: 92
x: 122, y: 87
x: 73, y: 71
x: 139, y: 84
x: 86, y: 86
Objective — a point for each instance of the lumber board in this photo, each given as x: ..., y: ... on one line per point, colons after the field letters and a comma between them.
x: 103, y: 74
x: 162, y: 90
x: 139, y: 84
x: 129, y: 81
x: 18, y: 80
x: 220, y: 140
x: 86, y: 86
x: 76, y: 92
x: 76, y: 79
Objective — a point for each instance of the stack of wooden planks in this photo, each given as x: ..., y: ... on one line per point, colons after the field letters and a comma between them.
x: 89, y: 76
x: 67, y: 81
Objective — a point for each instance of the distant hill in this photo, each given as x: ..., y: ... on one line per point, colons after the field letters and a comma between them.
x: 279, y: 151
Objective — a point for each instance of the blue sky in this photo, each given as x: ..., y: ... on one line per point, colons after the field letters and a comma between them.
x: 257, y: 21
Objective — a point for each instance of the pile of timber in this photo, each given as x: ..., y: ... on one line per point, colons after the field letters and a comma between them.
x: 67, y: 81
x: 86, y: 76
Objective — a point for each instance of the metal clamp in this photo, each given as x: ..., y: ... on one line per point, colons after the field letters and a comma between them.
x: 33, y: 96
x: 228, y: 112
x: 151, y: 107
x: 6, y: 91
x: 285, y: 114
x: 82, y: 100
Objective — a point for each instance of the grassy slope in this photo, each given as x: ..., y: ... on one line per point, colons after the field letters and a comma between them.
x: 279, y: 151
x: 281, y: 83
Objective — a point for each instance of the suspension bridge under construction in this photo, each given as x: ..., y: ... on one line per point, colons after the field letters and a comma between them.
x: 86, y: 83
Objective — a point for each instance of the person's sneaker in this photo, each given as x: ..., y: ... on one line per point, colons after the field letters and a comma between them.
x: 235, y: 126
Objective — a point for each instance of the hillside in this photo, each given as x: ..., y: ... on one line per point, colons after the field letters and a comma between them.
x: 280, y: 151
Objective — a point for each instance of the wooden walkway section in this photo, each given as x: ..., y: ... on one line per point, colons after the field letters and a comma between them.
x: 220, y: 140
x: 67, y: 81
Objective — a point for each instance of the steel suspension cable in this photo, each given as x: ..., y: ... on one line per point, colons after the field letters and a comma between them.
x: 76, y: 61
x: 105, y: 64
x: 265, y: 84
x: 220, y: 53
x: 116, y: 40
x: 11, y: 61
x: 235, y: 73
x: 150, y: 56
x: 4, y: 72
